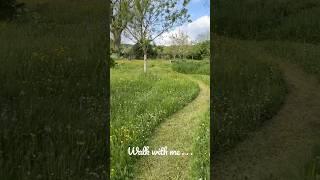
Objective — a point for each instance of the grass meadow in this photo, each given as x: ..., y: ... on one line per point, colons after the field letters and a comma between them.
x: 52, y: 105
x: 250, y: 38
x: 252, y: 89
x: 192, y: 67
x: 247, y: 90
x: 306, y: 55
x: 139, y: 102
x: 200, y: 167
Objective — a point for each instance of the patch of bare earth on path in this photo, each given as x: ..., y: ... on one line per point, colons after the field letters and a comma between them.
x: 177, y: 133
x: 281, y: 148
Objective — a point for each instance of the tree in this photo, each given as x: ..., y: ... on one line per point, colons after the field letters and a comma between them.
x: 181, y: 41
x: 159, y: 51
x: 151, y: 18
x: 138, y: 53
x: 203, y: 49
x: 167, y: 52
x: 120, y: 17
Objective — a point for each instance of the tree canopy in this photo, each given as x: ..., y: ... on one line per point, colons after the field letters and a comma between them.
x: 151, y: 18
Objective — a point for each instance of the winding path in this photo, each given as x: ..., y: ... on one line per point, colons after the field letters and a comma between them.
x: 281, y: 148
x: 176, y: 133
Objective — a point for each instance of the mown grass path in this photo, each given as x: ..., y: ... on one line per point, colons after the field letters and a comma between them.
x: 177, y: 133
x: 282, y: 147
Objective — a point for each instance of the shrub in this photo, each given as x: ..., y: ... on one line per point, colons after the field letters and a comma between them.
x: 8, y: 8
x: 137, y: 52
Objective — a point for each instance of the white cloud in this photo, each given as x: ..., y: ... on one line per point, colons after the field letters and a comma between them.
x: 193, y: 30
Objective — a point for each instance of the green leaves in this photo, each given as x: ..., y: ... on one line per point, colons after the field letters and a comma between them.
x: 153, y: 17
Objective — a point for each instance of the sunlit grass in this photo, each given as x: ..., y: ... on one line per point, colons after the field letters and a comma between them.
x: 192, y: 67
x: 139, y: 102
x: 200, y: 165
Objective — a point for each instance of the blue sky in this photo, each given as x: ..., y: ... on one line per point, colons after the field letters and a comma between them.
x: 198, y: 8
x: 200, y: 25
x: 200, y: 16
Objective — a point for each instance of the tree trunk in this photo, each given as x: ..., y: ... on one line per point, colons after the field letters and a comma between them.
x: 117, y: 41
x: 145, y: 60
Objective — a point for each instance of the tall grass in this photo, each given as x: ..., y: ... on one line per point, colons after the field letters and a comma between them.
x: 307, y: 56
x: 247, y: 90
x: 192, y: 67
x: 304, y: 54
x: 274, y: 19
x: 200, y: 164
x: 51, y: 92
x: 139, y: 102
x: 312, y: 169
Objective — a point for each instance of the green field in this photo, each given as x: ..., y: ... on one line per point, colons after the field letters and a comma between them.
x: 247, y: 90
x: 51, y: 92
x: 192, y: 67
x: 200, y: 168
x: 199, y: 70
x: 252, y: 38
x: 139, y: 103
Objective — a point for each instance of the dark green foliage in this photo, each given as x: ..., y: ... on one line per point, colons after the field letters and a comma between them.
x: 197, y: 51
x: 202, y: 50
x: 274, y: 19
x: 137, y: 52
x: 52, y: 104
x: 304, y: 54
x: 112, y: 62
x: 247, y: 91
x: 8, y: 9
x: 312, y: 169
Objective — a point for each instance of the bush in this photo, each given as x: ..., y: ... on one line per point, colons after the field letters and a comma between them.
x: 8, y: 9
x: 112, y: 62
x: 137, y: 52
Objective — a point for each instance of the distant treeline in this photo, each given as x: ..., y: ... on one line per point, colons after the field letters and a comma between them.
x: 198, y: 51
x: 294, y: 20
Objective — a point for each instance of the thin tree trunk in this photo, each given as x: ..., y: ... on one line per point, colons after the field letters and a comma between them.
x: 117, y: 41
x: 145, y: 60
